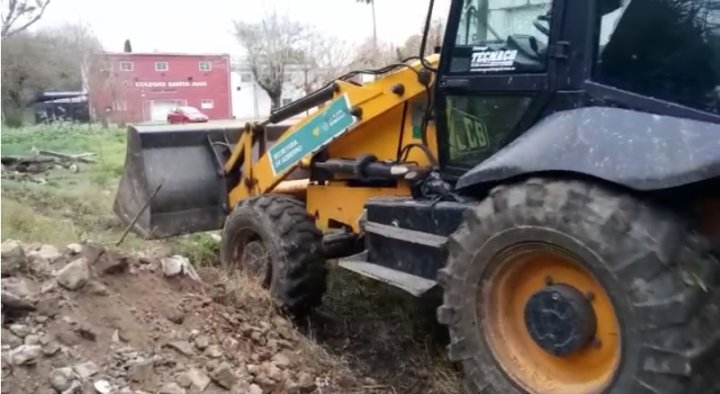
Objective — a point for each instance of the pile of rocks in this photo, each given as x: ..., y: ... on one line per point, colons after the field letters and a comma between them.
x: 85, y: 319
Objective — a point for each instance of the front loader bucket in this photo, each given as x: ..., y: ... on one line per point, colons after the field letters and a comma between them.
x: 180, y: 160
x: 173, y: 181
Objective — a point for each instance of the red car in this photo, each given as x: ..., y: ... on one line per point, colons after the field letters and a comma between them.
x: 186, y: 115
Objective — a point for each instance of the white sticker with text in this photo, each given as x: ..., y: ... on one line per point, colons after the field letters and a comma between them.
x: 485, y: 60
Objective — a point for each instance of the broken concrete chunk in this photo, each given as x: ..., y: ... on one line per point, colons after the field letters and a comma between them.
x: 20, y: 290
x: 141, y: 370
x: 198, y: 378
x: 102, y: 386
x: 48, y: 253
x: 202, y: 342
x: 171, y: 388
x: 61, y: 378
x: 13, y: 258
x: 86, y: 369
x: 49, y: 307
x: 281, y: 360
x: 74, y: 275
x: 10, y: 339
x: 51, y: 348
x: 176, y: 316
x: 213, y: 351
x: 32, y: 339
x: 24, y: 354
x: 223, y: 375
x: 73, y: 249
x: 306, y: 382
x: 20, y: 330
x: 173, y: 265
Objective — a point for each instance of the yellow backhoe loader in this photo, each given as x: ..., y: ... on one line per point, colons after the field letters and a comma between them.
x: 554, y: 169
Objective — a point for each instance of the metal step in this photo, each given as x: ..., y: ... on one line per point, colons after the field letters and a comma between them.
x: 413, y: 284
x: 404, y: 234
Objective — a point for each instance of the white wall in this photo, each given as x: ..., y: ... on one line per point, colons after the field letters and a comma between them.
x: 250, y: 101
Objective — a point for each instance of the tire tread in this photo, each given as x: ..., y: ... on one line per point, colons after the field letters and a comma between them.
x: 651, y: 251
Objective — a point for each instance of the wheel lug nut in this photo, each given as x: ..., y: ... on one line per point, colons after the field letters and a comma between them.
x: 596, y: 343
x: 548, y: 280
x: 590, y: 296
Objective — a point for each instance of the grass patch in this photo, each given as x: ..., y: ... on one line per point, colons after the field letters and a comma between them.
x: 71, y: 207
x: 66, y: 206
x: 201, y: 249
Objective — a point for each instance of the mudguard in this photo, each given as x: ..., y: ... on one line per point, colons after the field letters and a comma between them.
x: 638, y: 150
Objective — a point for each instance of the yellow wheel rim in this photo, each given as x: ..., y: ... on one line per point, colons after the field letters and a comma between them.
x: 519, y: 275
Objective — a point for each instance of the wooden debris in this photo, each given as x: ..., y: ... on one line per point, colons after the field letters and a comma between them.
x: 42, y: 161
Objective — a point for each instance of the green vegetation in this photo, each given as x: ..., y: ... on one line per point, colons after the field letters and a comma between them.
x: 69, y: 207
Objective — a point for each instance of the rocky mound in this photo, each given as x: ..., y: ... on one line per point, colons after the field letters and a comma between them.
x: 88, y: 319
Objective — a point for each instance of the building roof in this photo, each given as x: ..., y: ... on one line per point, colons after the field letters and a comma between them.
x: 163, y: 54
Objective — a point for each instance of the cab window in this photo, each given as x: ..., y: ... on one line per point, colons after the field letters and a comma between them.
x: 664, y: 49
x: 502, y: 36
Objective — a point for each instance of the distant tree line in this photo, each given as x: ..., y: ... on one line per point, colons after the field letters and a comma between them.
x: 37, y: 61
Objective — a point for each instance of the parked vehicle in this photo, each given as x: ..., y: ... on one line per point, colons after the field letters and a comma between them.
x: 186, y: 115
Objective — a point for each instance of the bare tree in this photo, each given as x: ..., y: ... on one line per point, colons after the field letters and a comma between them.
x: 18, y: 15
x: 370, y: 55
x: 324, y: 59
x: 271, y: 45
x: 434, y: 38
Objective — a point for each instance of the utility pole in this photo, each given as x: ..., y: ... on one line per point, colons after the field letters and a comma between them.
x: 374, y: 23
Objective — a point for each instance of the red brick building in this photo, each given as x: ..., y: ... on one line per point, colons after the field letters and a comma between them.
x: 143, y: 87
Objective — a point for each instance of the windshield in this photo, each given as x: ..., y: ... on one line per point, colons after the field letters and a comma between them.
x: 502, y: 36
x: 492, y: 21
x: 189, y: 110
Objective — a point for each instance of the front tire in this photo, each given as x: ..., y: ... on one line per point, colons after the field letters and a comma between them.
x: 538, y: 262
x: 273, y: 238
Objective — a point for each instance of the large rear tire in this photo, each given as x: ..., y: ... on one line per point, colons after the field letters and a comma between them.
x: 558, y: 286
x: 273, y: 237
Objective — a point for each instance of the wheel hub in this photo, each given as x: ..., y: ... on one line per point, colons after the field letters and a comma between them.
x: 560, y: 319
x: 255, y: 258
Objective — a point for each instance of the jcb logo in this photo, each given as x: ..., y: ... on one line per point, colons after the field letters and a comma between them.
x: 469, y: 134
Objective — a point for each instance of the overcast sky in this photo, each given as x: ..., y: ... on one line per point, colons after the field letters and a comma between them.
x: 206, y: 26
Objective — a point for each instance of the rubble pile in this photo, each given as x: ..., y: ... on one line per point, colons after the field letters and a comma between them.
x: 87, y: 319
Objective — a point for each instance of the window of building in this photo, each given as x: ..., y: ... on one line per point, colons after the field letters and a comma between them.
x: 161, y: 66
x: 205, y: 66
x: 286, y: 101
x: 207, y: 104
x: 665, y: 49
x: 246, y: 77
x: 126, y: 66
